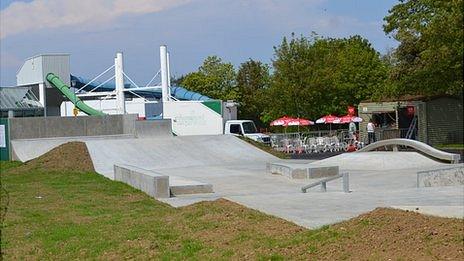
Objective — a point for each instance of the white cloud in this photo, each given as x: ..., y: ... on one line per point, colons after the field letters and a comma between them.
x: 20, y: 17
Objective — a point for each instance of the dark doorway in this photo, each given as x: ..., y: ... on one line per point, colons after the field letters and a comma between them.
x: 407, y: 122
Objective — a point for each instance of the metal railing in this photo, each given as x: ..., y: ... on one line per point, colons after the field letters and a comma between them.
x: 385, y: 134
x: 323, y: 183
x: 315, y: 141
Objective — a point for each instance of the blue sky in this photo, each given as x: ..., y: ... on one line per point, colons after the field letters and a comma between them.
x: 92, y: 31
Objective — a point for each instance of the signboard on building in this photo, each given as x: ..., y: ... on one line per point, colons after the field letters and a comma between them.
x: 2, y: 136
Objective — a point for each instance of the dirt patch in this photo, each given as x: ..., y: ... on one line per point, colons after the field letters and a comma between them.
x: 382, y: 234
x: 71, y: 156
x: 396, y: 234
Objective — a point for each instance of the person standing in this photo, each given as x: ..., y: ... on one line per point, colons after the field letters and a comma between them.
x: 352, y: 130
x: 371, y: 131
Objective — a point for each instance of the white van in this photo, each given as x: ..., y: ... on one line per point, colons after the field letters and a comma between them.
x: 246, y: 128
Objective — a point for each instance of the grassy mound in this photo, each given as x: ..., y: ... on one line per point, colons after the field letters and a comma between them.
x: 266, y: 148
x: 71, y: 156
x: 48, y: 215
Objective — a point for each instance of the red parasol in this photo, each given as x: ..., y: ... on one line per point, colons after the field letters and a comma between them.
x: 328, y: 119
x: 300, y: 122
x: 282, y: 121
x: 344, y: 119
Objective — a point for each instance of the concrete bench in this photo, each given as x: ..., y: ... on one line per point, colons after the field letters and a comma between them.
x: 150, y: 182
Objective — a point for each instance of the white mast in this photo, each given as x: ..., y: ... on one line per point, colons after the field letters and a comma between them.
x: 169, y: 74
x: 164, y: 73
x: 119, y: 82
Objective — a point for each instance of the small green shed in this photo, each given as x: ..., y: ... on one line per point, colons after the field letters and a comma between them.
x: 433, y: 119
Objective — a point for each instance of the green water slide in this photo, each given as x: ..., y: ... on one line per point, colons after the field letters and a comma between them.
x: 64, y: 89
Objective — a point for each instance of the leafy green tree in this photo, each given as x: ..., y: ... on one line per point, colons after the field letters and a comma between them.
x: 214, y: 78
x: 252, y: 81
x: 429, y: 57
x: 316, y: 76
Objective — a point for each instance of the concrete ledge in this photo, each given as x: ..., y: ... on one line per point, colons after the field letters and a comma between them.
x: 322, y: 172
x: 293, y: 171
x: 181, y: 186
x: 152, y: 183
x: 450, y: 176
x: 301, y: 171
x: 158, y: 185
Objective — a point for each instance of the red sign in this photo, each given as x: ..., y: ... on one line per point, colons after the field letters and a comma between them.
x: 410, y: 110
x: 351, y: 110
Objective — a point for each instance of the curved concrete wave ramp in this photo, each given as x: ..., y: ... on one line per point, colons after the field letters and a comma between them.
x: 417, y: 145
x: 380, y: 161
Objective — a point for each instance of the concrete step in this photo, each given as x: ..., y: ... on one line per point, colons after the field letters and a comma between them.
x: 157, y: 184
x: 182, y: 186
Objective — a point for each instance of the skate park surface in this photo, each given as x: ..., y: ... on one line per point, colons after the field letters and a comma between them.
x: 237, y: 172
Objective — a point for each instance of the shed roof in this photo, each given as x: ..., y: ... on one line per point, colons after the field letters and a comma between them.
x: 410, y: 97
x: 18, y: 98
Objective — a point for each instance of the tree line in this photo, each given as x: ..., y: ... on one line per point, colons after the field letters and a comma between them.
x: 313, y: 75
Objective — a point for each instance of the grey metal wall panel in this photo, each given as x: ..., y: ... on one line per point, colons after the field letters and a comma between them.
x: 35, y: 69
x: 57, y: 64
x: 30, y: 72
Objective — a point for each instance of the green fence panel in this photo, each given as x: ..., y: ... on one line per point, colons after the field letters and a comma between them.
x: 4, y: 140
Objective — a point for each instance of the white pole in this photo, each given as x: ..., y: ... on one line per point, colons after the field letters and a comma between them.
x: 164, y: 73
x: 169, y: 72
x: 169, y: 68
x: 119, y: 82
x: 43, y: 97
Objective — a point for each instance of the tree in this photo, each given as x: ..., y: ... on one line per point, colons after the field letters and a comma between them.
x: 214, y: 78
x: 315, y: 76
x: 252, y: 80
x: 430, y: 54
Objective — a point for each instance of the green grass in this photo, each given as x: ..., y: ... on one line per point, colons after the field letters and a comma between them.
x: 450, y: 146
x: 74, y: 215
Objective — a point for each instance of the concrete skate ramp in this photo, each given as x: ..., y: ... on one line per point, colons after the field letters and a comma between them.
x: 27, y: 149
x: 153, y: 128
x: 173, y: 152
x: 379, y: 161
